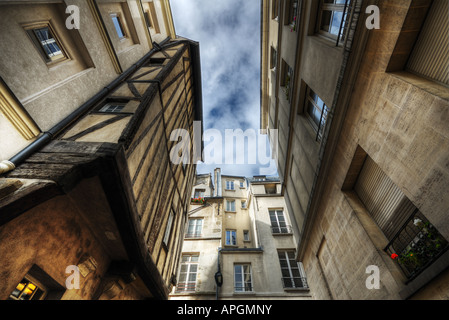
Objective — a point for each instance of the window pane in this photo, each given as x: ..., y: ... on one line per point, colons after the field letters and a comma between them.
x: 118, y: 26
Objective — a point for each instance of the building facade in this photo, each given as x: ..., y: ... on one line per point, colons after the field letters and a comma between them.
x: 239, y: 229
x: 361, y: 113
x: 92, y: 204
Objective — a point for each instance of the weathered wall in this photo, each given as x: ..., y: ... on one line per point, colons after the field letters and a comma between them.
x: 402, y: 126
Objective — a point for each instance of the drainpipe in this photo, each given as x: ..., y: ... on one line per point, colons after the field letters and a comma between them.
x: 46, y: 137
x: 218, y: 276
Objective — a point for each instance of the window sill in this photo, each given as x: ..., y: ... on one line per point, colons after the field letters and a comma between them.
x: 427, y: 85
x: 282, y: 234
x: 374, y: 233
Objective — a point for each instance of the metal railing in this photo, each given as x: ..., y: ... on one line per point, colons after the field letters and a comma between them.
x: 416, y: 245
x: 186, y: 287
x: 245, y: 288
x: 295, y: 282
x: 345, y: 20
x: 282, y: 230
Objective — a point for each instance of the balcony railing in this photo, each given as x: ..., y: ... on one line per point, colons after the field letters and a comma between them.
x: 416, y: 245
x: 245, y: 288
x: 282, y: 230
x: 295, y: 282
x: 186, y: 287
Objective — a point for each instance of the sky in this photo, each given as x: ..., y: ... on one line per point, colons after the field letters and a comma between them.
x: 228, y: 32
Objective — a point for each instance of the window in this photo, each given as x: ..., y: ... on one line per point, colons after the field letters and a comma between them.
x: 286, y: 81
x: 278, y: 224
x: 194, y: 228
x: 154, y: 17
x: 113, y: 107
x: 292, y: 13
x: 229, y: 185
x: 316, y: 111
x: 428, y: 58
x: 270, y: 188
x: 242, y: 278
x: 188, y: 272
x: 415, y: 241
x: 231, y: 238
x: 242, y: 184
x: 332, y: 17
x: 246, y: 235
x: 116, y: 19
x: 274, y: 9
x: 168, y: 228
x: 293, y: 275
x: 244, y: 204
x: 199, y: 193
x: 28, y: 290
x: 230, y: 205
x: 37, y: 285
x: 46, y: 41
x: 274, y: 58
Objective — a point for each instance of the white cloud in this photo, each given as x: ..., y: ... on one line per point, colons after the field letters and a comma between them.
x: 229, y: 35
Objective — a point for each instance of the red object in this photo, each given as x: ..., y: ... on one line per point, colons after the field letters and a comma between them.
x: 394, y: 256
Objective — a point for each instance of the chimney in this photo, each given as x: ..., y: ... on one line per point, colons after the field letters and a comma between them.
x: 217, y: 182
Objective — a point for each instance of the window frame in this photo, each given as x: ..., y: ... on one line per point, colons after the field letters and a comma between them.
x: 31, y: 281
x: 30, y: 31
x: 292, y: 14
x: 323, y: 111
x: 231, y: 237
x: 287, y: 78
x: 244, y: 287
x: 197, y: 228
x: 294, y: 272
x: 230, y: 205
x: 276, y: 224
x: 119, y: 24
x: 189, y: 263
x: 230, y: 185
x: 168, y: 228
x: 333, y: 7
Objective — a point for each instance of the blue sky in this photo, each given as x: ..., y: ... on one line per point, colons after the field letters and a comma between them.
x: 229, y: 35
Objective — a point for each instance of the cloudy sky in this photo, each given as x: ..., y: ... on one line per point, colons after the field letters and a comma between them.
x: 229, y: 35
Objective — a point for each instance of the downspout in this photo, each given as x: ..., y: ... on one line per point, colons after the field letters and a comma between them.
x: 46, y: 137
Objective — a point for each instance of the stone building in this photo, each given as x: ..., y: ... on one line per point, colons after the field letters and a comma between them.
x: 92, y: 205
x: 239, y: 228
x: 361, y: 111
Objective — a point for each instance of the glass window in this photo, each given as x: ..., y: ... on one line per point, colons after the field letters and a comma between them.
x: 113, y: 107
x: 168, y: 228
x: 332, y: 18
x: 118, y: 25
x: 230, y: 205
x: 231, y: 238
x: 317, y: 111
x: 195, y: 228
x: 45, y: 40
x: 278, y: 223
x: 292, y: 275
x: 242, y: 278
x: 229, y: 185
x: 188, y: 272
x: 27, y: 290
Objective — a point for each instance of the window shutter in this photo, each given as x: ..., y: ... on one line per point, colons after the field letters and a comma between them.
x: 386, y: 203
x: 430, y: 56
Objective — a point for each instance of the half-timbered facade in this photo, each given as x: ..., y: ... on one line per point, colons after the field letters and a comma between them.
x: 95, y: 209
